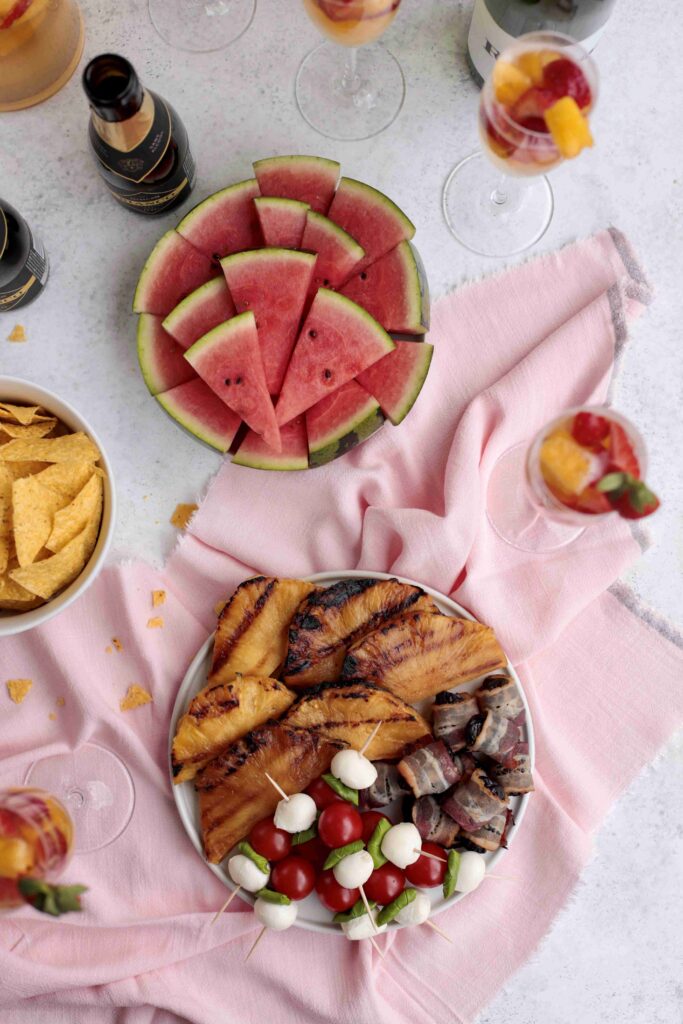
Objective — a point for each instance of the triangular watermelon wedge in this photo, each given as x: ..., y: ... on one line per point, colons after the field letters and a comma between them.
x: 173, y: 269
x: 338, y: 253
x: 228, y: 358
x: 310, y: 179
x: 397, y: 379
x: 161, y: 358
x: 199, y: 312
x: 394, y: 290
x: 273, y: 283
x: 340, y: 421
x: 282, y: 221
x: 337, y: 342
x: 194, y: 406
x: 370, y: 217
x: 225, y: 222
x: 254, y: 451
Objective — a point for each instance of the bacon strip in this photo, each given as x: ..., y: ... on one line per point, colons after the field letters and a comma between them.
x: 488, y: 837
x: 387, y: 786
x: 432, y: 769
x: 432, y: 823
x: 516, y: 779
x: 476, y: 801
x: 500, y: 693
x: 451, y: 712
x: 492, y: 734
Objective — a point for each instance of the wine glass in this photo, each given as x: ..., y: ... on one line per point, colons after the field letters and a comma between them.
x: 201, y: 25
x: 498, y: 201
x: 36, y: 839
x: 356, y: 93
x: 532, y: 508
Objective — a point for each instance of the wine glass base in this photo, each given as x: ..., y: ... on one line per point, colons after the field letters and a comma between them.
x: 201, y: 26
x: 490, y: 228
x: 511, y: 514
x: 96, y: 788
x: 365, y: 110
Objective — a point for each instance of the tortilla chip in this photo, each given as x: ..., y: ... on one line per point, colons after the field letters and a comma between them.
x: 5, y: 517
x: 32, y: 430
x: 70, y: 520
x: 52, y: 574
x: 60, y: 702
x: 18, y: 469
x: 117, y: 643
x: 156, y: 623
x: 18, y: 689
x: 158, y: 598
x: 66, y: 478
x: 24, y: 414
x: 135, y: 698
x: 181, y: 516
x: 18, y: 333
x: 67, y: 448
x: 33, y: 510
x: 52, y: 716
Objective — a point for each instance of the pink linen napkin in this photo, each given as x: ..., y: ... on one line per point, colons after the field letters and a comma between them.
x: 510, y: 352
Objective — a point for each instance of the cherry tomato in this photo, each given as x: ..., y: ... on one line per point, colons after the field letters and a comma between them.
x: 334, y: 896
x: 385, y: 884
x: 587, y: 428
x: 314, y: 851
x: 426, y: 871
x: 323, y: 794
x: 370, y: 821
x: 339, y: 824
x: 294, y: 876
x: 272, y: 843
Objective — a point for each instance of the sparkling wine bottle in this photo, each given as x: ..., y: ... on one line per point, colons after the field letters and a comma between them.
x: 23, y: 263
x: 496, y: 23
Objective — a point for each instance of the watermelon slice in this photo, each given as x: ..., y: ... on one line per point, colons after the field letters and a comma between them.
x: 196, y: 408
x: 228, y: 358
x: 397, y: 379
x: 255, y: 452
x: 173, y: 269
x: 310, y: 179
x: 371, y: 218
x: 282, y: 221
x: 161, y: 358
x: 338, y: 253
x: 338, y: 341
x: 341, y: 421
x: 202, y: 309
x: 225, y: 222
x: 274, y: 284
x: 394, y: 290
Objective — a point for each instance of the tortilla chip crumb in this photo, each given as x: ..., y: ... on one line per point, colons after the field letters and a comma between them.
x: 135, y: 698
x: 18, y: 333
x: 108, y: 650
x: 52, y: 716
x: 117, y: 643
x: 158, y: 598
x: 18, y: 689
x: 155, y: 623
x: 182, y: 515
x: 219, y: 606
x: 60, y: 702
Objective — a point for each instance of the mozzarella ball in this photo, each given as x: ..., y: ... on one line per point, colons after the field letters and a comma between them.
x: 471, y: 871
x: 354, y: 870
x: 402, y: 844
x: 362, y: 927
x: 244, y: 872
x: 296, y: 814
x: 353, y: 769
x: 276, y: 916
x: 416, y: 912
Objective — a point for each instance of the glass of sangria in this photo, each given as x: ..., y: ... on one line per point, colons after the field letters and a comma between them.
x: 358, y: 91
x: 41, y: 42
x: 36, y: 840
x: 201, y: 25
x: 534, y: 113
x: 584, y: 466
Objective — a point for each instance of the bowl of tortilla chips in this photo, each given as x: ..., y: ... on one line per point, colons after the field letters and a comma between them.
x: 57, y: 505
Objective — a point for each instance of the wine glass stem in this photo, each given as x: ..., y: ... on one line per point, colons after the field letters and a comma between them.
x: 499, y: 195
x: 350, y: 80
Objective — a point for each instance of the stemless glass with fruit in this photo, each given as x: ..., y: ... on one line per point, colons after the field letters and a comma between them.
x: 356, y: 92
x: 533, y: 114
x: 585, y: 465
x: 40, y: 45
x: 201, y: 25
x: 36, y: 840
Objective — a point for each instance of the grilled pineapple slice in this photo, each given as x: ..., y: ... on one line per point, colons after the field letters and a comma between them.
x: 331, y: 619
x: 418, y: 655
x: 219, y: 715
x: 351, y: 712
x: 234, y: 792
x: 251, y: 636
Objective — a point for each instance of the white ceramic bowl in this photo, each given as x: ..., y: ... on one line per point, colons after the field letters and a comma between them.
x: 23, y: 392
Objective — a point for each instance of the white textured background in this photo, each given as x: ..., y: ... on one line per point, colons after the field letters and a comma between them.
x: 612, y: 956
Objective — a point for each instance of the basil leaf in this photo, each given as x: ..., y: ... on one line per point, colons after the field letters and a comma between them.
x: 345, y: 792
x: 389, y: 912
x: 334, y: 856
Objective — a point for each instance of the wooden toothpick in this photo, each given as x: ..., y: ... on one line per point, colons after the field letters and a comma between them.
x: 226, y: 904
x: 279, y: 788
x: 439, y: 931
x: 370, y: 738
x: 502, y: 878
x: 376, y: 947
x: 258, y: 939
x: 367, y: 909
x: 433, y: 856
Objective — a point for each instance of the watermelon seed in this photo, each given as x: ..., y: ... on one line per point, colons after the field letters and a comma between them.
x: 312, y: 334
x: 363, y: 276
x: 238, y: 380
x: 228, y: 382
x: 327, y: 374
x: 325, y: 282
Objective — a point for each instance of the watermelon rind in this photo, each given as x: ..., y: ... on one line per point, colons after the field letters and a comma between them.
x: 395, y: 402
x: 255, y: 454
x: 144, y: 300
x: 196, y: 408
x: 291, y: 211
x: 365, y: 288
x: 155, y: 345
x: 350, y: 209
x: 188, y: 306
x: 204, y: 213
x: 363, y: 421
x: 326, y: 170
x: 339, y: 247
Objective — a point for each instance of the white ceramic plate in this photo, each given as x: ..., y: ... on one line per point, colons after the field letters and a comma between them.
x: 312, y: 914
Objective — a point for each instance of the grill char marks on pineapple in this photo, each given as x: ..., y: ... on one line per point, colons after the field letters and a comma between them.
x: 329, y: 620
x: 219, y: 715
x: 351, y: 712
x: 419, y: 654
x: 234, y: 792
x: 251, y: 635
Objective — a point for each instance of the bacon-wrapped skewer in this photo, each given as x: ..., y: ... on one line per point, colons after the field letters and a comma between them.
x: 431, y: 769
x: 488, y: 837
x: 450, y: 714
x: 388, y: 786
x: 432, y: 823
x: 517, y: 778
x: 476, y: 801
x: 500, y: 693
x: 493, y: 734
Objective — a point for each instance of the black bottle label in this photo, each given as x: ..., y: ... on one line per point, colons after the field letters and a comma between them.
x: 29, y: 281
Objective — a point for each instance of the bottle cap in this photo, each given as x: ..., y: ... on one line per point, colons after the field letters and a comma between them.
x: 112, y: 87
